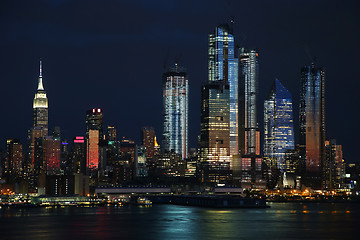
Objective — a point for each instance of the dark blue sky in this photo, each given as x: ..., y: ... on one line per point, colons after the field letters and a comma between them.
x: 111, y: 54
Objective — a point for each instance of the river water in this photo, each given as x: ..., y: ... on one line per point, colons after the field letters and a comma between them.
x: 281, y: 221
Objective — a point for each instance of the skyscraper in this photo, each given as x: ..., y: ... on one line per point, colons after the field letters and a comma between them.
x: 219, y: 116
x: 78, y: 155
x: 278, y: 126
x: 249, y: 134
x: 13, y: 168
x: 248, y: 83
x: 175, y: 111
x: 312, y: 123
x: 94, y: 121
x: 40, y: 106
x: 92, y: 150
x: 148, y: 141
x: 215, y: 127
x: 334, y: 166
x: 51, y: 151
x: 223, y: 66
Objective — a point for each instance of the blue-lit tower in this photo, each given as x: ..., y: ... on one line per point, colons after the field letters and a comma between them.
x: 223, y: 67
x: 175, y: 111
x: 278, y: 125
x: 219, y: 108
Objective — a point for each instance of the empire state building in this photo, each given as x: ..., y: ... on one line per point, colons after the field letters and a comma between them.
x: 40, y: 106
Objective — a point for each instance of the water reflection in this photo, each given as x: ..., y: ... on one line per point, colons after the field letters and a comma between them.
x: 281, y: 221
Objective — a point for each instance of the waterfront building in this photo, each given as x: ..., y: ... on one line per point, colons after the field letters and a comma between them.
x: 333, y: 166
x: 175, y: 111
x: 278, y: 129
x: 312, y: 124
x: 148, y: 141
x: 169, y: 164
x: 67, y: 185
x: 40, y: 106
x: 94, y: 121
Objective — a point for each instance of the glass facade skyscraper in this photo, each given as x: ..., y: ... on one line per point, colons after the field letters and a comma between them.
x: 278, y: 125
x: 219, y: 101
x: 312, y: 123
x: 175, y: 111
x: 219, y: 108
x: 215, y: 137
x: 248, y: 83
x: 223, y: 66
x: 249, y: 135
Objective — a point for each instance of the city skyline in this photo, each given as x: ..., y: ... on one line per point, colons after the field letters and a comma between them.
x: 74, y: 78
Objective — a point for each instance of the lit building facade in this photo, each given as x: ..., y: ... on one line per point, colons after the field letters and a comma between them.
x: 94, y: 121
x: 40, y: 106
x: 215, y: 126
x: 111, y: 133
x: 78, y: 155
x: 148, y: 141
x: 51, y: 151
x: 140, y: 162
x: 92, y: 150
x: 251, y: 162
x: 35, y: 134
x: 249, y: 139
x: 312, y: 123
x: 333, y: 167
x: 278, y: 125
x: 219, y: 116
x: 13, y: 168
x: 175, y: 111
x: 223, y: 66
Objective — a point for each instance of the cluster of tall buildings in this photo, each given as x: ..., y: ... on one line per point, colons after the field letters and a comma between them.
x: 229, y: 148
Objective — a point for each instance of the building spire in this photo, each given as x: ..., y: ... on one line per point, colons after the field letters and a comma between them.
x: 40, y: 68
x: 40, y: 84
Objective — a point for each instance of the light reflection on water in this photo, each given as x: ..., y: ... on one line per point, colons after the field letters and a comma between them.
x: 281, y: 221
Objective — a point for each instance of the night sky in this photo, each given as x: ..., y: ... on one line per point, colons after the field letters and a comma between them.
x: 111, y: 54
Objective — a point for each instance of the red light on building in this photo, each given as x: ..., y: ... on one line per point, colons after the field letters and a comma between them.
x: 93, y: 150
